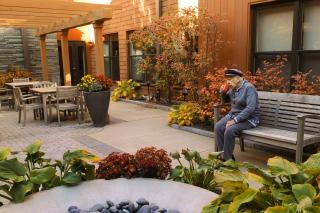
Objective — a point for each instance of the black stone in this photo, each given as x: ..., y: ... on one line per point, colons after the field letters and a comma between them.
x: 72, y: 207
x: 113, y: 209
x: 142, y: 201
x: 105, y: 211
x: 144, y: 209
x: 110, y: 203
x: 98, y: 207
x: 162, y: 210
x: 75, y: 211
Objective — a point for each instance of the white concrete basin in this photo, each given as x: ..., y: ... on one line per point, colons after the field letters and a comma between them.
x: 167, y: 194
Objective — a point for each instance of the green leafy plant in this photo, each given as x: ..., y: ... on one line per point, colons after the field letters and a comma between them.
x: 285, y: 187
x: 36, y: 173
x: 200, y: 171
x: 147, y: 162
x: 125, y: 89
x: 186, y: 114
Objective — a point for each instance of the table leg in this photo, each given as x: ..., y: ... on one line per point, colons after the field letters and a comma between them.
x: 45, y: 111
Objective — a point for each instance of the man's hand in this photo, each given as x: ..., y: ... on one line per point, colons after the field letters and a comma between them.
x: 230, y: 123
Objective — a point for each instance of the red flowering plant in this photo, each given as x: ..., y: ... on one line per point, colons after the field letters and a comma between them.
x: 147, y: 162
x: 117, y: 165
x: 153, y: 163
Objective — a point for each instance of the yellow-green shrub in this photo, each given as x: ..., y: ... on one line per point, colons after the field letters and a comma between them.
x: 186, y: 114
x: 125, y: 89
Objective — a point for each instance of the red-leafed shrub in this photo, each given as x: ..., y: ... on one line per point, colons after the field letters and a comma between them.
x: 117, y: 165
x: 147, y: 162
x: 304, y: 83
x: 105, y: 82
x: 153, y: 163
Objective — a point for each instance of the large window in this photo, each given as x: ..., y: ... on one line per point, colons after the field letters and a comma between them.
x: 111, y: 56
x: 290, y: 29
x: 134, y: 56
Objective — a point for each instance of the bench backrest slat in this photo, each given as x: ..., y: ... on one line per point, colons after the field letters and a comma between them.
x: 281, y: 109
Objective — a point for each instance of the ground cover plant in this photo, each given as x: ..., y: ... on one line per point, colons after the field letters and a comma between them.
x: 284, y: 187
x: 37, y: 173
x: 186, y: 114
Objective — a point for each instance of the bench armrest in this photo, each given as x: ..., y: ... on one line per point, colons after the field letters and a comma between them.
x: 216, y: 111
x: 303, y: 117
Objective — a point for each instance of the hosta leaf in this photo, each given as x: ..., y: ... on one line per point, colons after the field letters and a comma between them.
x: 71, y: 179
x: 280, y: 166
x: 4, y: 153
x: 228, y: 175
x: 224, y: 208
x: 312, y: 165
x: 79, y: 155
x: 245, y: 197
x: 210, y: 209
x: 266, y: 177
x: 19, y: 191
x: 304, y: 203
x: 303, y: 190
x: 12, y: 170
x: 33, y: 148
x: 277, y: 209
x: 234, y: 186
x: 43, y: 175
x: 214, y: 155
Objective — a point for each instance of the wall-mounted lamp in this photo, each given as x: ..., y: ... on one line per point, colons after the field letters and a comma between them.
x: 90, y: 43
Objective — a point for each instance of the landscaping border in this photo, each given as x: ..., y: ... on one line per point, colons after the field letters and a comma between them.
x: 147, y: 105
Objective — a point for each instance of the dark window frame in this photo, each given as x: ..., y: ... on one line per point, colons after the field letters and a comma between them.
x: 112, y: 59
x: 132, y: 59
x: 296, y: 54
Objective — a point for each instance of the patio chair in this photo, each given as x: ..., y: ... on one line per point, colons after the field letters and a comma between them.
x: 67, y: 99
x: 19, y: 80
x: 44, y: 84
x: 6, y: 96
x: 27, y: 103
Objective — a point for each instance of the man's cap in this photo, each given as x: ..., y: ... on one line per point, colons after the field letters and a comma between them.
x: 233, y: 72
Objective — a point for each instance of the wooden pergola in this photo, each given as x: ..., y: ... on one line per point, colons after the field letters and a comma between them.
x: 51, y: 16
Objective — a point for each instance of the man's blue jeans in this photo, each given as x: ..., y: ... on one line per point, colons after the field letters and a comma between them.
x: 225, y: 137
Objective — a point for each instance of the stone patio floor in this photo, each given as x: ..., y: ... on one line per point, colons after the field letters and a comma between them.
x: 131, y: 127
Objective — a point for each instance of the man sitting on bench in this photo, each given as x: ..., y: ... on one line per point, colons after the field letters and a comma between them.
x: 244, y: 113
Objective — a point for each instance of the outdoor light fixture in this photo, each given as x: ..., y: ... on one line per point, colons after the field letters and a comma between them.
x: 184, y: 93
x: 90, y: 43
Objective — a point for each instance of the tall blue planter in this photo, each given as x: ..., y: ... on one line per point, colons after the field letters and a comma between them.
x: 98, y: 106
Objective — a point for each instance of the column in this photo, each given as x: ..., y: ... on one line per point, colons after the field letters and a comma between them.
x: 99, y: 47
x: 65, y: 57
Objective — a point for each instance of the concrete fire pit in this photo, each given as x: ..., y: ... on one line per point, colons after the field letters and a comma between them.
x: 168, y: 194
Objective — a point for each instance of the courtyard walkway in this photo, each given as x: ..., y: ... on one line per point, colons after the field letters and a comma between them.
x: 132, y: 127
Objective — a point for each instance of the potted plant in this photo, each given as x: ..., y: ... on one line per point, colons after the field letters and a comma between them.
x: 97, y: 97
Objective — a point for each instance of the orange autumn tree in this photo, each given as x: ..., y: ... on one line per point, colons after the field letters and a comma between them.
x: 306, y: 84
x: 179, y: 60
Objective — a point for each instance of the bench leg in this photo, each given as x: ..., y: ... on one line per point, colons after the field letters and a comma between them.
x: 241, y: 142
x: 299, y: 154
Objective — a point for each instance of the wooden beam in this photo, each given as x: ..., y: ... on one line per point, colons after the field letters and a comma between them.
x: 98, y: 15
x: 27, y: 15
x: 43, y: 53
x: 99, y: 47
x: 17, y: 10
x: 65, y: 57
x: 52, y: 4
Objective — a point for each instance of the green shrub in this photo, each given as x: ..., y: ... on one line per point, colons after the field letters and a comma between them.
x: 37, y: 173
x: 201, y: 171
x: 125, y: 89
x: 285, y: 187
x: 186, y: 114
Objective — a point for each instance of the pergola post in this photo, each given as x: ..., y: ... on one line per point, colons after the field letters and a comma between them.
x: 65, y: 57
x: 43, y: 53
x: 99, y: 47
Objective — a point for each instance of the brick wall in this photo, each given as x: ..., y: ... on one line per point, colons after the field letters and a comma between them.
x: 11, y: 52
x: 133, y: 15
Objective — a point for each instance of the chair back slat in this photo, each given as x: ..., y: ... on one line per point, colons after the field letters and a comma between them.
x: 17, y: 94
x: 20, y: 80
x: 44, y: 84
x: 67, y: 92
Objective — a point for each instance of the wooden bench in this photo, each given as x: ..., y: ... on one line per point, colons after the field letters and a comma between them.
x: 289, y: 121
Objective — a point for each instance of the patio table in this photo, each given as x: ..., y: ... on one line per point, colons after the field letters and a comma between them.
x: 45, y: 93
x: 22, y: 84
